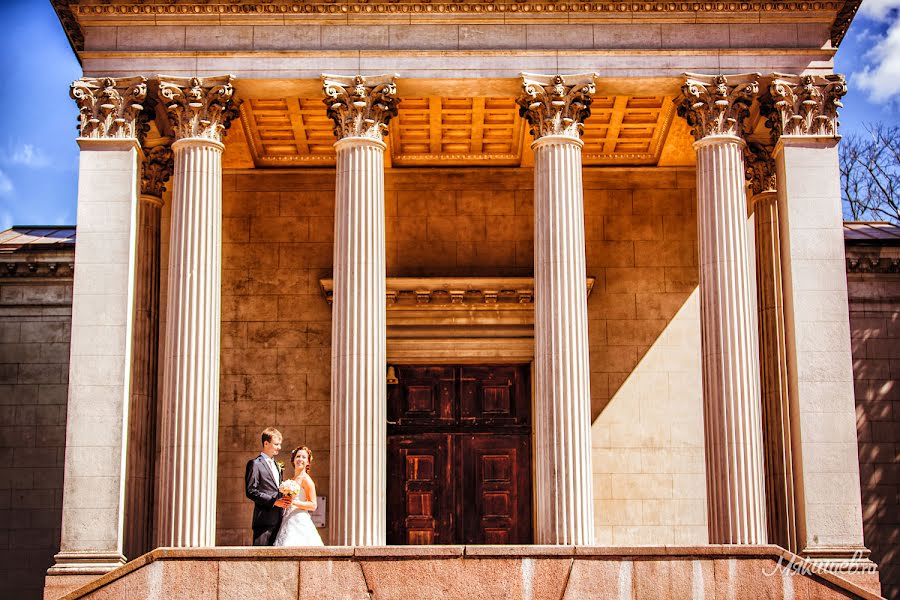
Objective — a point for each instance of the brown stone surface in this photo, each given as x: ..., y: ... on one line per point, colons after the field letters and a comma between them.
x: 462, y: 578
x: 875, y: 341
x: 535, y: 572
x: 641, y: 247
x: 269, y: 579
x: 596, y: 579
x: 56, y: 586
x: 35, y: 316
x: 197, y: 580
x: 868, y: 581
x: 117, y: 590
x: 332, y: 580
x: 747, y: 579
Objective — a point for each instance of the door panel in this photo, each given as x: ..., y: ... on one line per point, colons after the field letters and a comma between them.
x: 419, y: 504
x: 459, y: 455
x: 424, y: 396
x: 496, y: 504
x: 497, y: 395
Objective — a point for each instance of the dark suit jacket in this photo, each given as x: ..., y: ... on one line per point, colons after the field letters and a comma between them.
x: 263, y: 490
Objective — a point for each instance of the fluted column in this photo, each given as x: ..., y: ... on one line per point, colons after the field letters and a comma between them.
x: 776, y: 416
x: 802, y: 113
x: 92, y: 540
x: 199, y: 111
x: 361, y: 108
x: 715, y: 107
x: 556, y: 108
x: 156, y: 169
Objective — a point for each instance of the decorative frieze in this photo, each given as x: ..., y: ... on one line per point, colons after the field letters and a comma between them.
x: 556, y: 104
x: 157, y: 168
x: 804, y: 105
x: 39, y: 269
x: 872, y: 263
x: 457, y: 292
x: 360, y: 106
x: 362, y: 8
x: 759, y: 168
x: 109, y: 108
x: 199, y: 108
x: 716, y: 104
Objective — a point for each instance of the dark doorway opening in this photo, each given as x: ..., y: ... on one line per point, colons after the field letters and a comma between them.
x: 459, y: 455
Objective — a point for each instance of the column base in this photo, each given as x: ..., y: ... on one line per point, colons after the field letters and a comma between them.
x: 86, y: 563
x: 72, y: 570
x: 852, y: 564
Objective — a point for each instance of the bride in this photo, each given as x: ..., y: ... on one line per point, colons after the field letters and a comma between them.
x: 297, y: 528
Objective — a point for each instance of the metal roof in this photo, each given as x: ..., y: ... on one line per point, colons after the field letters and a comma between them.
x: 30, y: 238
x: 872, y: 233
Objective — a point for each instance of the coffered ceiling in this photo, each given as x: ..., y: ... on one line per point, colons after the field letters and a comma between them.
x: 456, y: 131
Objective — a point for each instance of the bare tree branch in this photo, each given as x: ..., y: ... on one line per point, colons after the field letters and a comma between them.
x: 870, y: 174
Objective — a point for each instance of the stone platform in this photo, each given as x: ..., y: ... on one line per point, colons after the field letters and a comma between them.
x: 468, y: 572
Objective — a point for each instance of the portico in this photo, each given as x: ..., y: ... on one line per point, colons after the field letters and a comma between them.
x: 578, y: 218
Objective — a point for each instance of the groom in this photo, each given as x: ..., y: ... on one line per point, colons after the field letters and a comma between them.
x: 263, y: 477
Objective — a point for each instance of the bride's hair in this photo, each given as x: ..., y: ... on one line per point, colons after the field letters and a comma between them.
x: 308, y: 453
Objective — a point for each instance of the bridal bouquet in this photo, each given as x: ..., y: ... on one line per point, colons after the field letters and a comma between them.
x: 289, y: 487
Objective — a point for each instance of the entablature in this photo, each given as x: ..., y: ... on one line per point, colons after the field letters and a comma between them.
x: 463, y: 293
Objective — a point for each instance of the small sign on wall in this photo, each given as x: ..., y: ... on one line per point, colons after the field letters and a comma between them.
x: 318, y: 515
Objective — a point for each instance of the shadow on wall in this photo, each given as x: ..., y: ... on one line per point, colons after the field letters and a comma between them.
x: 640, y: 244
x: 648, y: 455
x: 878, y: 432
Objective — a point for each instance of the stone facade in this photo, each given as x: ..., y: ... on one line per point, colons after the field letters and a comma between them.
x: 428, y: 183
x: 458, y: 572
x: 35, y: 322
x: 641, y: 245
x: 873, y: 282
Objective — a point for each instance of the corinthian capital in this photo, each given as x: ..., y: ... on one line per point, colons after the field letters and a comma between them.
x: 108, y: 107
x: 804, y: 105
x: 157, y: 168
x: 759, y: 168
x: 716, y: 104
x: 360, y: 106
x: 199, y: 108
x: 556, y: 104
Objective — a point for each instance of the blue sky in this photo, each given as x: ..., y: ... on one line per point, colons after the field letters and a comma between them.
x: 39, y: 157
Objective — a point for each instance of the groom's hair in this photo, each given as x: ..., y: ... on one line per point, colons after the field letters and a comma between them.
x: 269, y: 433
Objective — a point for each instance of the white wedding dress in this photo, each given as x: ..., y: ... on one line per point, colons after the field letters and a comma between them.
x: 297, y: 528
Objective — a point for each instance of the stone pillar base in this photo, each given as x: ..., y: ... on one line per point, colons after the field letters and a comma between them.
x: 75, y: 569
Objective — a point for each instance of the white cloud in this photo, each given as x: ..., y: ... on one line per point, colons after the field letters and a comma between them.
x: 878, y: 9
x: 27, y: 155
x: 881, y: 77
x: 6, y: 184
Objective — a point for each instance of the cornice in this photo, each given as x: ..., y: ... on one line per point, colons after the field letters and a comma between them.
x: 72, y: 12
x: 461, y: 292
x: 872, y: 263
x: 62, y: 269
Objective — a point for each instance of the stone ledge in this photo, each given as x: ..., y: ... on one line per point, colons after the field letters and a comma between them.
x: 454, y: 292
x: 447, y: 572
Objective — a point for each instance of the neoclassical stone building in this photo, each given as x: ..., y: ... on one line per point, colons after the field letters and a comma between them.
x: 531, y: 272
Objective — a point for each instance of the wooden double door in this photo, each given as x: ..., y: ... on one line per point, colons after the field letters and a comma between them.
x: 459, y: 455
